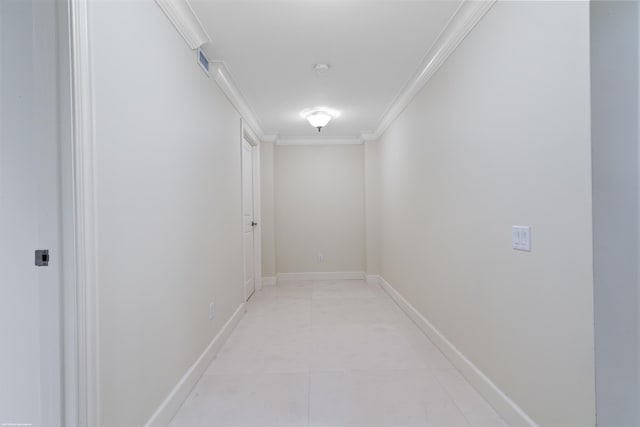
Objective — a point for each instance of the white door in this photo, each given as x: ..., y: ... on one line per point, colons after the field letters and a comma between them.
x: 248, y: 222
x: 30, y: 351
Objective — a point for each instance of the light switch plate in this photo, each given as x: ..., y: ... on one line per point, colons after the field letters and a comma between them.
x: 521, y: 237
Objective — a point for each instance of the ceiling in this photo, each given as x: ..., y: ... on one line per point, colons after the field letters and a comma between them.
x: 374, y: 47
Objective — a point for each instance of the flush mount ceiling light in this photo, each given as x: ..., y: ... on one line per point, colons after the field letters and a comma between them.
x: 319, y: 117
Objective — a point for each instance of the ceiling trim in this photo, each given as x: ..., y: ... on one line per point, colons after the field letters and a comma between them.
x: 319, y: 141
x: 249, y: 135
x: 461, y: 23
x: 186, y: 22
x: 227, y: 85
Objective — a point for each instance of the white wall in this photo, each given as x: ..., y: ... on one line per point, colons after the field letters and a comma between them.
x: 372, y: 208
x: 19, y: 285
x: 267, y: 211
x: 30, y: 362
x: 319, y: 193
x: 614, y: 89
x: 501, y: 136
x: 169, y: 207
x: 48, y: 124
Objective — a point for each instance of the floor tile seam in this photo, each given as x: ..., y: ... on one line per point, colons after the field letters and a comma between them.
x: 274, y: 328
x: 309, y: 398
x: 372, y: 370
x: 210, y: 375
x: 291, y: 312
x: 284, y: 295
x: 303, y: 371
x: 474, y: 406
x: 371, y: 322
x: 280, y: 302
x: 343, y: 297
x: 455, y: 402
x: 388, y: 311
x: 277, y: 316
x: 424, y: 336
x: 276, y: 301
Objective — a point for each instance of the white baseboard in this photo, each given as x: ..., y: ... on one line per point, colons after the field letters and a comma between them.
x: 268, y: 281
x: 373, y: 279
x: 339, y: 275
x: 507, y: 408
x: 167, y: 410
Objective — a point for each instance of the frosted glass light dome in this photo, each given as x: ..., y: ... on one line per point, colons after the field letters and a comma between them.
x: 319, y: 117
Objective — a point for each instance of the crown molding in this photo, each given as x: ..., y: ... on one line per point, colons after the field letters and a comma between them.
x: 368, y: 136
x: 271, y: 138
x: 461, y: 23
x: 319, y: 141
x: 227, y: 85
x: 189, y: 26
x: 249, y: 135
x: 186, y: 22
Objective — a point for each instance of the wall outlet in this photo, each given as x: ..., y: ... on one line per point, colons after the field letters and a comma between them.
x: 211, y: 311
x: 320, y: 258
x: 521, y: 237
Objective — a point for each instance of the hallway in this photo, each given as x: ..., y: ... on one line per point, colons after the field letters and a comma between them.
x: 434, y: 205
x: 330, y: 353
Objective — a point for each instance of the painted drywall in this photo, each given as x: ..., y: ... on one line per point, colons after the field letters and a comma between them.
x: 20, y: 364
x: 267, y: 211
x: 29, y: 214
x: 168, y: 207
x: 319, y: 193
x: 500, y: 136
x: 372, y: 211
x: 48, y: 125
x: 614, y: 115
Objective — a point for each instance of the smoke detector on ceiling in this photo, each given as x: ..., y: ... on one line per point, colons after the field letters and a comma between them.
x: 321, y: 69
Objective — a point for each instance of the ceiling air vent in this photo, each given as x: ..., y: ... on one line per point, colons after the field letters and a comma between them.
x: 203, y: 61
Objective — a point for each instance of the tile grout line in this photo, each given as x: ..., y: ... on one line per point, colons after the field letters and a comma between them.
x: 312, y: 344
x: 309, y: 398
x: 446, y: 390
x: 310, y: 349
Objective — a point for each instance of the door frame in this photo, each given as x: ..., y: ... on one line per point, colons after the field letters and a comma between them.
x: 250, y: 137
x: 76, y: 248
x: 80, y: 296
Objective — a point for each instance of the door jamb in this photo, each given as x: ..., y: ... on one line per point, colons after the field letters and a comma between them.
x: 82, y: 401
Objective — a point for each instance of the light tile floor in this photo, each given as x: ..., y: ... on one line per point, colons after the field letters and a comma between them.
x: 331, y: 353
